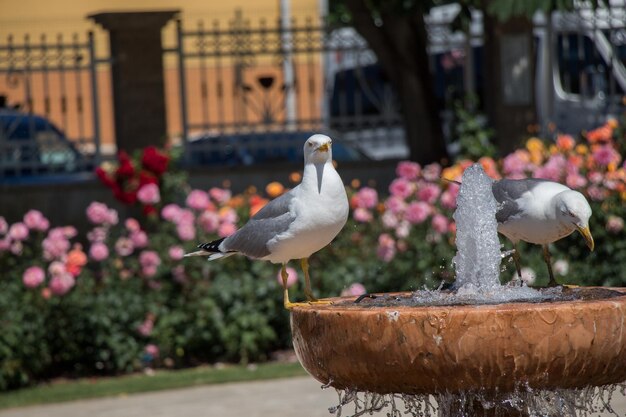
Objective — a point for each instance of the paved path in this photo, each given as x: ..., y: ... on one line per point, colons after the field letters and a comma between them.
x: 290, y: 397
x: 300, y: 396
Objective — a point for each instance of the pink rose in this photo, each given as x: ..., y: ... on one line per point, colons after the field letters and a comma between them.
x: 220, y: 195
x: 226, y: 229
x: 366, y: 198
x: 152, y: 350
x: 197, y: 200
x: 149, y: 194
x: 429, y: 193
x: 35, y: 220
x: 57, y: 268
x: 4, y: 226
x: 171, y: 212
x: 575, y: 181
x: 386, y: 247
x: 33, y: 277
x: 97, y: 234
x: 400, y: 188
x: 390, y: 220
x: 354, y: 290
x: 149, y: 258
x: 396, y: 205
x: 145, y: 328
x: 596, y: 193
x: 440, y: 223
x: 209, y: 221
x: 403, y: 229
x: 62, y: 283
x: 139, y: 239
x: 417, y: 212
x: 178, y: 272
x: 18, y: 231
x: 432, y: 172
x: 16, y: 248
x: 614, y: 224
x: 228, y: 215
x: 99, y: 213
x: 292, y: 277
x: 55, y: 245
x: 132, y: 225
x: 605, y: 155
x: 176, y: 253
x: 98, y: 251
x: 362, y: 215
x: 185, y: 216
x: 148, y: 271
x: 515, y: 163
x: 595, y: 177
x: 124, y: 246
x: 186, y: 231
x: 448, y: 198
x: 70, y: 231
x: 408, y: 170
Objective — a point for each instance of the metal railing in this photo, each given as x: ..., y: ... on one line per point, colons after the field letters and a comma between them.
x: 248, y: 91
x: 49, y: 112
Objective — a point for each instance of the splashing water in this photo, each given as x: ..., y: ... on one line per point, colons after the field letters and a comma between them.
x: 478, y: 256
x: 584, y: 402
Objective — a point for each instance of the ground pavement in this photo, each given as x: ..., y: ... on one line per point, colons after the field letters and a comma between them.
x: 300, y: 396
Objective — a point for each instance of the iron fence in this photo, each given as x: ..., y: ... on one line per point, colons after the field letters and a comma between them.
x: 49, y: 110
x: 250, y: 92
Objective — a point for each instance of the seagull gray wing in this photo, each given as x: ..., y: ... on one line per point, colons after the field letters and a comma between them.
x: 507, y: 192
x: 273, y: 219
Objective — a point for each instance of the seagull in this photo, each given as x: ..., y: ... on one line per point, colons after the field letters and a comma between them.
x: 541, y: 212
x: 296, y: 224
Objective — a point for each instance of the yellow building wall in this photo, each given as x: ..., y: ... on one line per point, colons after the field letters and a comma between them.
x: 66, y: 17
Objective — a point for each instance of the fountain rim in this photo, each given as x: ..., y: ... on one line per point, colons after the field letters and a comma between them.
x: 345, y: 306
x: 399, y: 349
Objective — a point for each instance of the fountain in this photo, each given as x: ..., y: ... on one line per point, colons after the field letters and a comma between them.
x: 482, y: 349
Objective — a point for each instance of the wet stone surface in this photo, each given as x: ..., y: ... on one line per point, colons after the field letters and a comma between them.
x: 450, y: 298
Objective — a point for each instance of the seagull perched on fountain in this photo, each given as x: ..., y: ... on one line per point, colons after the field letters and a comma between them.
x: 541, y: 212
x: 296, y: 224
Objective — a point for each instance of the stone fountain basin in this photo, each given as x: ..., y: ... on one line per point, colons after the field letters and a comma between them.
x: 436, y: 349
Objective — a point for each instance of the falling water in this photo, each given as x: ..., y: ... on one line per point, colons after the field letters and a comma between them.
x: 477, y: 260
x: 583, y: 402
x: 477, y: 265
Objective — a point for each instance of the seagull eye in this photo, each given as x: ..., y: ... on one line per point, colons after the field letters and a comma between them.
x: 310, y: 144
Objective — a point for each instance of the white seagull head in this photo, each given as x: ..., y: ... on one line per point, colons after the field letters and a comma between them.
x: 573, y: 209
x: 318, y: 149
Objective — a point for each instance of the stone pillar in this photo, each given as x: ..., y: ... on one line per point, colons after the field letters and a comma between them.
x: 509, y: 79
x: 137, y: 76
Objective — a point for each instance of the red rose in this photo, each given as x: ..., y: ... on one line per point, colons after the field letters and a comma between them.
x: 146, y: 177
x: 125, y: 170
x: 154, y: 161
x: 104, y: 177
x: 149, y: 210
x: 124, y: 196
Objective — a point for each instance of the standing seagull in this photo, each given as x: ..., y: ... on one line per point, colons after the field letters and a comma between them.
x: 541, y: 212
x: 296, y: 224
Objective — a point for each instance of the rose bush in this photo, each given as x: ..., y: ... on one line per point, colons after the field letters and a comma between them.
x: 122, y: 296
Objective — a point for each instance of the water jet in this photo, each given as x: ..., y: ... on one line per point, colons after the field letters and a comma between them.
x: 479, y: 348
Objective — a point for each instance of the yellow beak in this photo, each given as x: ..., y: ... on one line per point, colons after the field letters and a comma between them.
x: 324, y: 148
x: 587, y: 235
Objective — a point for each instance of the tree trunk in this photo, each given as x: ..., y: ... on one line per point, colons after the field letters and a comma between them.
x: 400, y: 44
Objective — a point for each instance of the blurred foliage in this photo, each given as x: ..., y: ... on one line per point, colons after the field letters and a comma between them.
x: 120, y: 316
